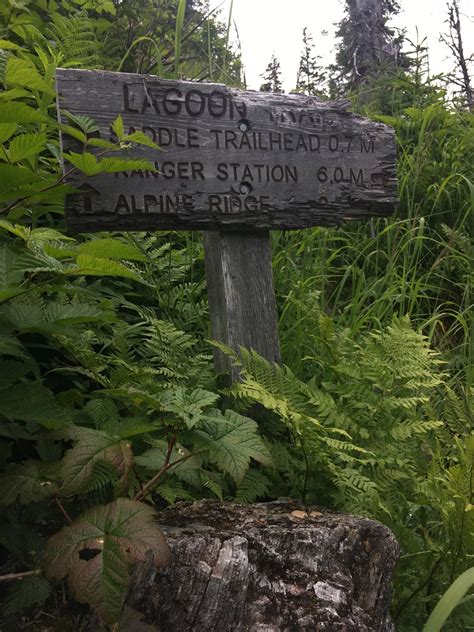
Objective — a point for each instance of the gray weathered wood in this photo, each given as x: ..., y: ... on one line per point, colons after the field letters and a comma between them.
x: 230, y: 159
x: 242, y: 305
x: 274, y: 567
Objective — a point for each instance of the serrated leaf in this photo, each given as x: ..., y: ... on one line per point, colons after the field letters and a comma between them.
x: 96, y: 266
x: 188, y: 405
x: 109, y: 248
x: 30, y: 482
x: 114, y: 165
x: 141, y: 139
x: 77, y: 466
x: 85, y: 162
x: 25, y: 146
x: 10, y: 345
x: 31, y: 401
x: 6, y: 131
x: 14, y: 176
x: 20, y: 113
x: 96, y: 552
x: 20, y: 72
x: 29, y: 592
x: 85, y: 123
x: 8, y: 274
x: 41, y: 235
x: 102, y: 144
x: 74, y: 132
x: 117, y: 126
x: 187, y: 471
x: 34, y: 318
x: 231, y: 441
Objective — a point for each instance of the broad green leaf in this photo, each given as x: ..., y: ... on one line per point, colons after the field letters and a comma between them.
x: 188, y: 405
x: 30, y: 482
x: 14, y: 176
x: 24, y: 594
x: 77, y: 466
x: 105, y: 415
x: 7, y: 45
x: 21, y: 72
x: 6, y: 293
x: 25, y: 146
x: 15, y: 229
x: 11, y: 346
x: 96, y: 266
x: 102, y: 144
x: 187, y: 471
x: 117, y: 126
x: 20, y: 113
x: 86, y: 162
x: 85, y: 123
x: 41, y: 235
x: 97, y: 550
x: 113, y: 165
x: 109, y: 248
x: 35, y: 318
x: 7, y: 130
x: 31, y: 401
x: 140, y: 138
x: 231, y: 441
x: 8, y: 274
x: 74, y: 132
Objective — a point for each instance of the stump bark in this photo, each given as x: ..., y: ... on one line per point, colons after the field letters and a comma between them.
x: 273, y: 567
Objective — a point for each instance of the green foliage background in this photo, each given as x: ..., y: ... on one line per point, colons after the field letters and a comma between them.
x: 106, y: 378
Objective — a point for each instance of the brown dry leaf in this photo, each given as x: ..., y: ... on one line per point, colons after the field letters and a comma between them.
x: 299, y: 514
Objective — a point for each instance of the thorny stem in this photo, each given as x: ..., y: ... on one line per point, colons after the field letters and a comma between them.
x: 63, y: 511
x: 11, y: 577
x: 167, y: 465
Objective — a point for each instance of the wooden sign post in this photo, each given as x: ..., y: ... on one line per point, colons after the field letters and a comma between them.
x: 237, y: 164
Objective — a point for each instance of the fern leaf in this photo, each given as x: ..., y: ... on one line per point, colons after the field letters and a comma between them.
x: 254, y: 486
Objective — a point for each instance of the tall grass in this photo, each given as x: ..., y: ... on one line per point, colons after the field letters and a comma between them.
x: 418, y: 263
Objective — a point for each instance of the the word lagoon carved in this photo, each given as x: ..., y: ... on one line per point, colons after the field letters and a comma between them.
x: 228, y: 159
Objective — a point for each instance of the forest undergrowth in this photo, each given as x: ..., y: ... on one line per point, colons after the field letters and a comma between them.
x: 108, y: 399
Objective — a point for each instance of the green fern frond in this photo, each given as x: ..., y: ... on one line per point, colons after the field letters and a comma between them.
x: 254, y: 486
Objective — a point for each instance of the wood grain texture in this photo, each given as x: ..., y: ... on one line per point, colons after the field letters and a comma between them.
x: 229, y: 159
x: 273, y: 567
x: 242, y: 307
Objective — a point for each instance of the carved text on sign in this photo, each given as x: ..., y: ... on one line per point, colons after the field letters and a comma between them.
x: 228, y: 159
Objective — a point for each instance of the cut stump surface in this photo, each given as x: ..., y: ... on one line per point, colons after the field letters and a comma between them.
x: 273, y: 567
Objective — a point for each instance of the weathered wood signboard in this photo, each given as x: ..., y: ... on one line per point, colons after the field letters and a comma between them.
x: 229, y: 159
x: 236, y: 164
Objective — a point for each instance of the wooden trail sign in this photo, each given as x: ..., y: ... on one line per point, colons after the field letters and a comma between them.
x: 232, y: 161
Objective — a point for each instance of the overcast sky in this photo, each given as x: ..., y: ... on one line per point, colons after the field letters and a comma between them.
x: 275, y: 26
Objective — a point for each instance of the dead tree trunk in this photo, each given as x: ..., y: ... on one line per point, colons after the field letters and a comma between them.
x: 268, y: 567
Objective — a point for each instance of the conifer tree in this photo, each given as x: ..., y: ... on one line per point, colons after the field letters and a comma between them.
x: 272, y: 77
x: 368, y: 47
x: 311, y: 75
x: 461, y: 76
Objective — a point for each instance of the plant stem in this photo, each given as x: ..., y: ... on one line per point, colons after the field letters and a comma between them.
x: 417, y: 590
x: 63, y: 511
x: 11, y: 577
x: 166, y: 465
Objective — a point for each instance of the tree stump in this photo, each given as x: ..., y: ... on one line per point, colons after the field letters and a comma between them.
x: 270, y: 567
